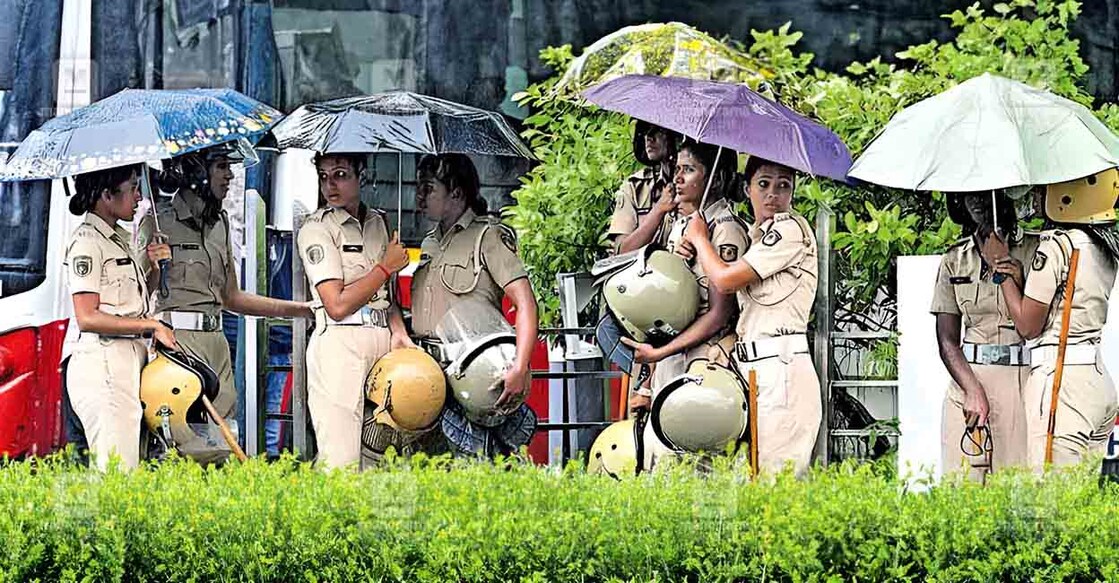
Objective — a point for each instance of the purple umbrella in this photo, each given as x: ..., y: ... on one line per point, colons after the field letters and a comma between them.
x: 732, y: 116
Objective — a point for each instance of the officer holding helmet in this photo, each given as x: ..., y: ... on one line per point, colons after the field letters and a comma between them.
x: 202, y: 278
x: 1081, y: 217
x: 776, y: 285
x: 349, y: 259
x: 109, y: 288
x: 471, y: 257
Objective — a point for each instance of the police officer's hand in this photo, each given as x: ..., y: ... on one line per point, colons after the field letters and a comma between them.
x: 402, y: 341
x: 643, y: 353
x: 1013, y: 269
x: 640, y: 402
x: 696, y: 230
x: 516, y: 383
x: 667, y: 201
x: 396, y: 256
x: 994, y: 249
x: 158, y: 251
x: 686, y: 250
x: 976, y: 407
x: 164, y: 335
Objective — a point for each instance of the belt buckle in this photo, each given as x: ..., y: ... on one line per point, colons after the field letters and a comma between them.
x: 373, y: 317
x: 996, y: 354
x: 209, y: 322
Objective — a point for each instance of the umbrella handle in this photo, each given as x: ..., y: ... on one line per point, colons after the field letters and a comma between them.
x: 164, y: 268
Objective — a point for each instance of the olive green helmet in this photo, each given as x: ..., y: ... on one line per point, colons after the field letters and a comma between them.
x: 619, y: 450
x: 703, y: 409
x: 652, y: 293
x: 477, y: 378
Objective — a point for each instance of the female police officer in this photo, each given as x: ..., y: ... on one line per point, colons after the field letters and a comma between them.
x: 349, y: 259
x: 776, y: 285
x: 470, y: 256
x: 711, y: 334
x: 202, y: 278
x: 110, y: 293
x: 990, y: 368
x: 1082, y: 218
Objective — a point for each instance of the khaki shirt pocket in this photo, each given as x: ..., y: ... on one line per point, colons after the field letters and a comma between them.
x: 190, y: 267
x: 457, y: 274
x: 967, y: 297
x: 121, y: 285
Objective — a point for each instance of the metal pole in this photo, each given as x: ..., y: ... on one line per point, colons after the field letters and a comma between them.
x: 825, y: 288
x: 301, y: 442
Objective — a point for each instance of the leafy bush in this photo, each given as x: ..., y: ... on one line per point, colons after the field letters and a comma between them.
x: 435, y: 521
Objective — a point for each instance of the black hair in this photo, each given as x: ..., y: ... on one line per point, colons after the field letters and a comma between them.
x: 456, y: 171
x: 754, y: 163
x: 643, y: 128
x: 707, y: 154
x: 90, y: 185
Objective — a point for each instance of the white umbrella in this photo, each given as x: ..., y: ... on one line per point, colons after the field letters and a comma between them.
x: 987, y: 133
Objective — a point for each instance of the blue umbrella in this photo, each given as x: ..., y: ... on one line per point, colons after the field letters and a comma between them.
x: 136, y: 126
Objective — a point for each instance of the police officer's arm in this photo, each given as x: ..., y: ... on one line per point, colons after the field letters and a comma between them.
x: 948, y: 328
x: 726, y: 277
x: 499, y: 256
x: 1029, y: 308
x: 85, y: 263
x: 650, y: 224
x: 242, y: 302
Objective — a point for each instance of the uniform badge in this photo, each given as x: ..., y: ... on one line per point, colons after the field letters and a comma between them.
x: 728, y: 253
x: 315, y: 254
x: 771, y: 238
x: 1039, y: 261
x: 508, y: 239
x: 83, y: 264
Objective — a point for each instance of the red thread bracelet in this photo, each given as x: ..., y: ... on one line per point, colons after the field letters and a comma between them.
x: 384, y: 271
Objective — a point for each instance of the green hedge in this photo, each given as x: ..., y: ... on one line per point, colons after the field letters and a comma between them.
x: 431, y: 522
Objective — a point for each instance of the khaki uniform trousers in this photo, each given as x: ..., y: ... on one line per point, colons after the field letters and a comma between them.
x: 1007, y: 420
x: 338, y: 360
x: 789, y: 410
x: 1086, y: 411
x: 103, y: 380
x: 213, y: 348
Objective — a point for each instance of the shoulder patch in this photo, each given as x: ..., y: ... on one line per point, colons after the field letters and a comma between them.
x: 508, y: 238
x: 771, y: 237
x: 315, y: 254
x: 728, y: 253
x: 1039, y: 260
x: 83, y: 264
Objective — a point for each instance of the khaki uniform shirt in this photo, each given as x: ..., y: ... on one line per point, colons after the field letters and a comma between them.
x: 1095, y: 275
x: 201, y: 259
x: 964, y: 287
x: 476, y: 258
x: 783, y: 253
x: 99, y: 260
x: 334, y: 245
x: 728, y: 236
x: 634, y: 199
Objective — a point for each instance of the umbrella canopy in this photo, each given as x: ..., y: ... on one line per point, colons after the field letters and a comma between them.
x: 667, y: 50
x: 988, y: 133
x: 732, y: 116
x: 136, y: 126
x: 398, y: 121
